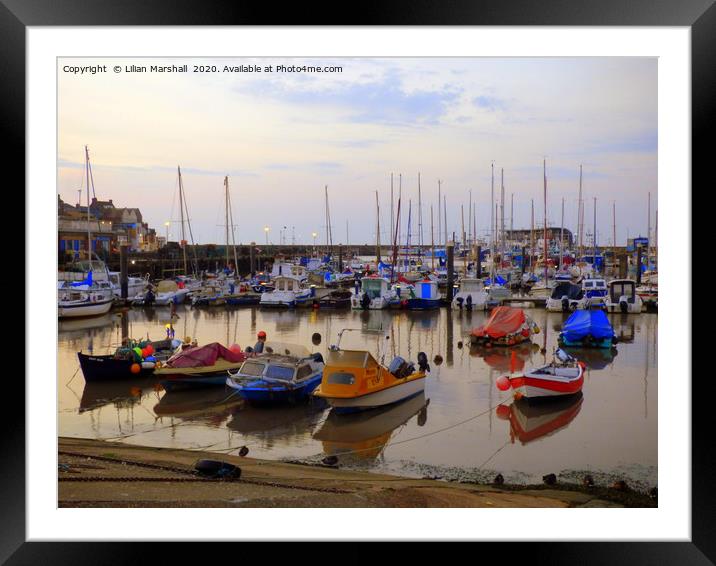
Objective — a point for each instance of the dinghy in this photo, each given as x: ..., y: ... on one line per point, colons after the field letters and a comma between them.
x: 199, y: 366
x: 564, y: 376
x: 587, y: 329
x: 506, y: 326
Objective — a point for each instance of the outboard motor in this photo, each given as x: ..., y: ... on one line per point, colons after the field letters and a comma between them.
x: 396, y: 366
x: 565, y: 304
x: 365, y: 301
x: 459, y: 301
x: 423, y: 362
x: 468, y: 302
x: 623, y: 305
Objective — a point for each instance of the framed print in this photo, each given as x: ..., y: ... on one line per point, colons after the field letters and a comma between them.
x: 391, y: 279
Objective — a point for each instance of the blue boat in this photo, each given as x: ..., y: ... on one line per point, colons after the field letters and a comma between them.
x: 424, y: 296
x: 587, y: 329
x: 286, y: 374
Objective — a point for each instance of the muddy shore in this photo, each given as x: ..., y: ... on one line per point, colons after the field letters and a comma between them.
x: 95, y: 473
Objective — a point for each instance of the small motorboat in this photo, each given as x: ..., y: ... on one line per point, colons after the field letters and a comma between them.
x: 374, y: 293
x: 290, y: 291
x: 424, y: 295
x: 283, y: 374
x: 338, y: 299
x: 564, y: 376
x: 587, y: 329
x: 623, y: 297
x: 199, y: 366
x: 84, y: 298
x: 353, y: 380
x: 566, y: 296
x: 166, y: 292
x: 506, y: 326
x: 472, y: 295
x: 595, y: 290
x: 126, y: 362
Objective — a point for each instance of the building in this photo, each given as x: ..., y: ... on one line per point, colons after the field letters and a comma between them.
x: 553, y: 234
x: 109, y: 228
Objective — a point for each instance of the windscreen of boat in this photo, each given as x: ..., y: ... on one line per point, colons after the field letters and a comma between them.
x: 283, y: 373
x: 471, y: 286
x: 252, y: 368
x: 622, y: 288
x: 372, y: 287
x: 569, y: 290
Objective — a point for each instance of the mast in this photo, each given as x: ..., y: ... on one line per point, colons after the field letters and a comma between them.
x: 445, y: 219
x: 614, y: 237
x: 440, y: 228
x: 400, y: 196
x: 502, y: 215
x: 233, y: 234
x: 580, y: 215
x: 492, y: 218
x: 420, y: 220
x: 561, y: 238
x: 432, y: 241
x: 464, y: 257
x: 648, y: 231
x: 532, y: 233
x: 544, y: 169
x: 377, y: 230
x: 181, y: 210
x: 395, y: 246
x: 512, y: 216
x: 89, y: 234
x: 469, y: 219
x: 594, y: 243
x: 392, y: 216
x: 226, y: 197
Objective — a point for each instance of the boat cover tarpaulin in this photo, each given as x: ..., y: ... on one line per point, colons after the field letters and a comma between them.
x: 503, y: 321
x: 567, y: 289
x: 202, y: 356
x: 587, y: 322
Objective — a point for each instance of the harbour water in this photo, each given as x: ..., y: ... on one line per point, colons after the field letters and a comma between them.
x: 462, y: 429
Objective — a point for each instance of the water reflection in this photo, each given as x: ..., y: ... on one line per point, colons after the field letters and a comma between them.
x: 363, y: 436
x: 530, y: 422
x: 462, y: 431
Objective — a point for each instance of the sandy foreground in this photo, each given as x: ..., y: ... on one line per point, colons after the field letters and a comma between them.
x: 94, y: 473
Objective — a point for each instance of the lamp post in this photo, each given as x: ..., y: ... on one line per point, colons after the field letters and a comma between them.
x: 266, y: 230
x: 166, y: 225
x: 314, y: 241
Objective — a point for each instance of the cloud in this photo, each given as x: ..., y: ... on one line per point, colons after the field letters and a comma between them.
x: 491, y: 103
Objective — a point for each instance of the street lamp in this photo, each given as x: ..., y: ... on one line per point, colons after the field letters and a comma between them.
x: 266, y: 229
x: 166, y: 225
x: 314, y: 241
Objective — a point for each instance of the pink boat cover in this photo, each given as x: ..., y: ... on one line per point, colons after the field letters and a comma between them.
x: 503, y: 321
x: 202, y: 356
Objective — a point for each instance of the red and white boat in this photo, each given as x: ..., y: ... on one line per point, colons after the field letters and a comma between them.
x: 564, y: 376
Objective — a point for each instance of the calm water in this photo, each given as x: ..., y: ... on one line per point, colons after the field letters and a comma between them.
x: 463, y: 428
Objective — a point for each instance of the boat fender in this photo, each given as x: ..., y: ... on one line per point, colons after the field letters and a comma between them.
x: 148, y: 365
x: 423, y: 362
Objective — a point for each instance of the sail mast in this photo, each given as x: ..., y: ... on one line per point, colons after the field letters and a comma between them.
x: 594, y: 242
x: 561, y: 238
x: 580, y: 216
x: 181, y: 210
x: 392, y: 216
x: 440, y: 228
x: 432, y: 241
x: 544, y: 170
x: 492, y: 218
x: 377, y: 230
x: 226, y: 198
x: 89, y: 235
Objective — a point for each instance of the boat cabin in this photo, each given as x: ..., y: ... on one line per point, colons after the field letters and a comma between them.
x: 622, y: 288
x: 595, y: 287
x: 167, y: 286
x: 352, y: 373
x: 275, y: 367
x: 374, y: 287
x: 287, y: 284
x: 472, y: 286
x: 567, y: 289
x: 427, y: 289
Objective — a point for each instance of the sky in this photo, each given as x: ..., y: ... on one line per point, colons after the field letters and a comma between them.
x: 281, y: 137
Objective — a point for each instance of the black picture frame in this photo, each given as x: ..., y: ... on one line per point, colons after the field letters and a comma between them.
x: 699, y: 15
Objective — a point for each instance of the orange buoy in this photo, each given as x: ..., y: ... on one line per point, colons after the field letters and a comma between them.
x: 135, y: 368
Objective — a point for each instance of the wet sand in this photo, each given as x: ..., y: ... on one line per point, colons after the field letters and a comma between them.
x: 94, y: 473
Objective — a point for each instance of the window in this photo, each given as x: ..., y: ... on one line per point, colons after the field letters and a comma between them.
x: 303, y: 372
x: 340, y: 378
x: 252, y: 368
x: 280, y: 372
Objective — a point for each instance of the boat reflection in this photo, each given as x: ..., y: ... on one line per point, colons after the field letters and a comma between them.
x: 118, y: 393
x: 286, y: 320
x: 212, y: 405
x: 529, y: 422
x: 278, y: 423
x: 595, y: 358
x: 70, y: 326
x: 363, y: 436
x: 501, y: 358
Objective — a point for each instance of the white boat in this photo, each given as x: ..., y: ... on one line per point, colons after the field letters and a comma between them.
x: 289, y: 291
x: 472, y: 295
x: 596, y: 292
x: 623, y: 297
x: 566, y: 296
x: 374, y: 294
x: 166, y: 292
x: 93, y: 298
x: 563, y: 377
x: 135, y: 285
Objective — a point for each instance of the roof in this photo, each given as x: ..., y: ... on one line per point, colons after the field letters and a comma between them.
x: 350, y: 358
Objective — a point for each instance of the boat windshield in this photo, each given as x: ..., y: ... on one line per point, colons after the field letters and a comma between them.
x: 280, y: 372
x: 252, y: 368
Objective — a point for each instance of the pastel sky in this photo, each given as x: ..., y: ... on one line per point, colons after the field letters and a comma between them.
x: 281, y: 137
